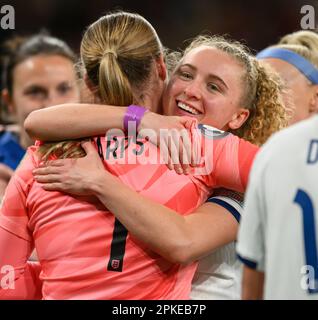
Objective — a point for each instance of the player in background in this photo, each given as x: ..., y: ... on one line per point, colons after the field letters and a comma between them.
x: 38, y: 72
x: 278, y: 233
x: 211, y: 226
x: 293, y: 58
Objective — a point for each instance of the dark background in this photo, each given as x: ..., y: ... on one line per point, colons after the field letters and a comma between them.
x: 258, y: 23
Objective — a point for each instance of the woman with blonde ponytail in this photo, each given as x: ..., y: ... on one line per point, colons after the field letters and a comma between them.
x: 295, y: 58
x: 119, y: 52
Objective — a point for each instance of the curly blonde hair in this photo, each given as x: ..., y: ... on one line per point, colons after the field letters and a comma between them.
x: 267, y: 112
x: 261, y: 90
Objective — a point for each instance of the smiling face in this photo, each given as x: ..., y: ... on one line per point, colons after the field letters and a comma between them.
x: 300, y: 91
x: 207, y: 85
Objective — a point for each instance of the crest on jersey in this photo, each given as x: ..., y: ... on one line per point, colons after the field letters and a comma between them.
x: 115, y: 263
x: 211, y: 132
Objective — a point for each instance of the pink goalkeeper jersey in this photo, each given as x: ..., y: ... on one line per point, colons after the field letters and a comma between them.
x: 84, y: 252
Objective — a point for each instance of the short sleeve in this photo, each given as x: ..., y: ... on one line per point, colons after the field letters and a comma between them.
x: 233, y: 162
x: 251, y: 242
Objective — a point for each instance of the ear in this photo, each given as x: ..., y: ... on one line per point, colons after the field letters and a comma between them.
x: 239, y: 118
x: 314, y: 100
x: 6, y: 98
x: 161, y: 67
x: 89, y: 84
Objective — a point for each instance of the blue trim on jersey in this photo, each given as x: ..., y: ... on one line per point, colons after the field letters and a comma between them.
x: 302, y: 64
x: 227, y: 206
x: 247, y: 262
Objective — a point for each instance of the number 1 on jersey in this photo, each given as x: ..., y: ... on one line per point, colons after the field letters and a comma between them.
x: 117, y: 249
x: 306, y: 204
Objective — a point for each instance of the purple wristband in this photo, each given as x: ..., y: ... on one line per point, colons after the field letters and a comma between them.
x: 134, y: 113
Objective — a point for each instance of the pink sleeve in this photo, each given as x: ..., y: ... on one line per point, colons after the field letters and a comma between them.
x: 233, y: 161
x: 19, y: 279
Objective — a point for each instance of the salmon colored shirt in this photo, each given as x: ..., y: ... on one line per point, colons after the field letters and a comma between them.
x: 84, y: 252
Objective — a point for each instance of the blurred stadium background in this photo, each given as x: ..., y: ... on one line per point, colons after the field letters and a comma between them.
x: 258, y: 23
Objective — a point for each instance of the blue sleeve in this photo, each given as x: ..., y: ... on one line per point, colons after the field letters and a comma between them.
x: 11, y: 153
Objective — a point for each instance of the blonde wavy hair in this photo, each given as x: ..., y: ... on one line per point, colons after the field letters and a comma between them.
x: 304, y: 43
x: 118, y: 52
x: 261, y: 90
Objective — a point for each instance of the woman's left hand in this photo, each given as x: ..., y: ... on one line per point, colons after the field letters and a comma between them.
x: 75, y: 176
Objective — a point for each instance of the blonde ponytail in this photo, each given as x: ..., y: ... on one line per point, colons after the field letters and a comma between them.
x: 114, y: 87
x: 117, y: 52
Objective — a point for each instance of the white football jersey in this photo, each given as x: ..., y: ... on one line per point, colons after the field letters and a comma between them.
x: 279, y: 229
x: 219, y: 274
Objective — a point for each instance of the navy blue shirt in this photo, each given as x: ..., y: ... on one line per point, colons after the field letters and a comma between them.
x: 11, y: 153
